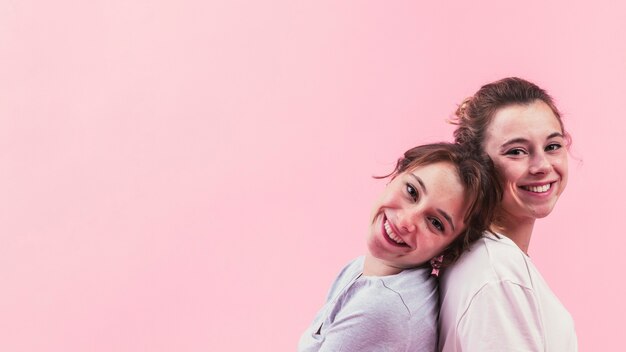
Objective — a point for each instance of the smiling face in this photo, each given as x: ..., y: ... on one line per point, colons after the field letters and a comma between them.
x: 526, y: 144
x: 418, y: 215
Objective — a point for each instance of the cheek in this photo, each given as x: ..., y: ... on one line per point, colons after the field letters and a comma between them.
x: 375, y: 211
x: 439, y: 243
x: 508, y: 173
x: 562, y: 165
x: 386, y: 200
x: 563, y: 171
x: 508, y: 192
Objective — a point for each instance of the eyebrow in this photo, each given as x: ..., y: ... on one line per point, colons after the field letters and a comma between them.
x: 443, y: 213
x: 419, y: 180
x: 524, y: 140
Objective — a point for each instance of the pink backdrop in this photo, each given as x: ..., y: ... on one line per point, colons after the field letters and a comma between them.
x: 190, y: 175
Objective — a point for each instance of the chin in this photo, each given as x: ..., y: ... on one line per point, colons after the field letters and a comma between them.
x: 540, y: 213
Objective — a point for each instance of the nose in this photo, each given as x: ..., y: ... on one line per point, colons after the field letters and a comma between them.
x: 407, y: 219
x: 539, y: 164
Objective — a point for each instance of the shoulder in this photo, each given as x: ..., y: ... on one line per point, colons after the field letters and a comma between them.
x: 489, y: 260
x: 493, y: 266
x: 500, y: 315
x: 403, y: 308
x: 372, y: 298
x: 415, y: 289
x: 354, y: 267
x: 406, y: 294
x: 373, y: 310
x: 348, y: 273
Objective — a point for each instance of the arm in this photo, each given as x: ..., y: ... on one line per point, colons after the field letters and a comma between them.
x: 502, y: 316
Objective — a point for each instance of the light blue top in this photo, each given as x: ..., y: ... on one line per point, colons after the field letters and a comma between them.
x: 376, y: 313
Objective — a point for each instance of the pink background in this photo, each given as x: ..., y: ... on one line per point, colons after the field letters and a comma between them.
x: 190, y: 175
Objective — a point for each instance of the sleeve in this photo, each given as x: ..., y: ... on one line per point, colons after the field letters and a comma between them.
x: 374, y: 328
x: 502, y: 316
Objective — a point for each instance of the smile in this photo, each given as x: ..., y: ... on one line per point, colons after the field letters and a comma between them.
x: 392, y: 235
x: 538, y: 189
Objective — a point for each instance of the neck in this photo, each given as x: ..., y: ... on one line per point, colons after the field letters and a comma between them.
x: 519, y: 230
x: 373, y: 266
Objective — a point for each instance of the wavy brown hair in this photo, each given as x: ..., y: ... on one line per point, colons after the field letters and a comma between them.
x: 475, y: 113
x: 482, y: 189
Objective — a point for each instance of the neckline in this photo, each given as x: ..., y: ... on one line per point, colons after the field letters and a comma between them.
x: 500, y: 237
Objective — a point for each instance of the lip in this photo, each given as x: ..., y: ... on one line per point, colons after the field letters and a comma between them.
x: 395, y: 230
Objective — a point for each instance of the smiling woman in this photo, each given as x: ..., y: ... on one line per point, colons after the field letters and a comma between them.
x: 405, y: 210
x: 440, y: 199
x: 526, y: 144
x: 494, y: 298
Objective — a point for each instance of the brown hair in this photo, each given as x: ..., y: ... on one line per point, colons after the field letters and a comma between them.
x: 475, y: 113
x: 477, y: 175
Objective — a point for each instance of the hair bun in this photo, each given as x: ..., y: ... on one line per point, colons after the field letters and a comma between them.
x: 461, y: 111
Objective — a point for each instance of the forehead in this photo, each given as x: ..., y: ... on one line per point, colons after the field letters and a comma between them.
x: 535, y: 120
x: 443, y: 186
x: 434, y: 170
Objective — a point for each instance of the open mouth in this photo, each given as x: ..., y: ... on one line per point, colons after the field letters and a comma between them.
x: 538, y: 189
x: 391, y: 236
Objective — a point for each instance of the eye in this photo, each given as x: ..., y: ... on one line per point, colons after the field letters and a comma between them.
x: 412, y: 191
x: 515, y: 152
x: 437, y: 224
x: 552, y: 147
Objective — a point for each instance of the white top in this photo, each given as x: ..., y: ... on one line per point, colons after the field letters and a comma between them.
x: 494, y: 299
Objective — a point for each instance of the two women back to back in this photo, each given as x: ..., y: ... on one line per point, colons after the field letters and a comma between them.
x: 438, y: 203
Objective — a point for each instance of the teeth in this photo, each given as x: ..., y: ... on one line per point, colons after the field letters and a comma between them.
x: 538, y: 189
x: 391, y: 234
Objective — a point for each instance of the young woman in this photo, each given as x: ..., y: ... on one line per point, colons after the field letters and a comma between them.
x: 438, y: 201
x: 493, y: 298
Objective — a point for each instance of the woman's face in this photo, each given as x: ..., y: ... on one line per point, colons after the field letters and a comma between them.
x: 527, y: 145
x: 420, y: 212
